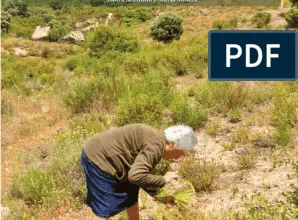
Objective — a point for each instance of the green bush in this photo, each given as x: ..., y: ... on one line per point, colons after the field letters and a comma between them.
x: 33, y: 186
x: 17, y: 72
x: 109, y: 42
x: 167, y: 28
x: 194, y: 115
x: 261, y: 19
x: 198, y: 172
x: 133, y: 17
x: 82, y: 93
x: 143, y: 101
x: 72, y: 63
x: 58, y: 29
x: 5, y: 21
x: 283, y: 115
x: 222, y: 96
x: 292, y: 17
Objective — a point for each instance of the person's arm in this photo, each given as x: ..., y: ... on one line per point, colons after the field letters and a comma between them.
x: 147, y: 159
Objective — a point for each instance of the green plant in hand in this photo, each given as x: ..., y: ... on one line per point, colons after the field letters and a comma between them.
x: 182, y: 197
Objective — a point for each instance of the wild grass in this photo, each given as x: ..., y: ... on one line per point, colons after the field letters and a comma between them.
x: 222, y: 96
x: 212, y: 128
x: 199, y: 173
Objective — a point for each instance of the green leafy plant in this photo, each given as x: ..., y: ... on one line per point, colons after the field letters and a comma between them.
x: 261, y: 19
x: 166, y: 28
x: 292, y: 16
x: 182, y: 196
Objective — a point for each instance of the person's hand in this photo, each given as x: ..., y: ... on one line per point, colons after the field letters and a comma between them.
x: 169, y: 176
x: 166, y: 200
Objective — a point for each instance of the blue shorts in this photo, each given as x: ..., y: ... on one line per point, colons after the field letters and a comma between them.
x: 106, y: 195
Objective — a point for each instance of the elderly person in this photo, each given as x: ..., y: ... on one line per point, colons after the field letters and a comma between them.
x: 117, y: 163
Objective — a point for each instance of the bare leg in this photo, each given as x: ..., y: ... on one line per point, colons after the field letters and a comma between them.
x: 100, y: 218
x: 133, y: 212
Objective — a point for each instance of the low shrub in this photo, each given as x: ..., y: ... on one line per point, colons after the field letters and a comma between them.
x: 83, y: 92
x: 194, y: 115
x: 132, y: 17
x: 72, y: 63
x: 246, y: 160
x: 108, y: 42
x: 234, y: 115
x: 33, y: 186
x: 58, y: 29
x: 292, y: 17
x: 282, y: 114
x: 19, y: 72
x: 261, y: 19
x: 198, y: 172
x: 144, y: 101
x: 222, y: 96
x: 212, y: 128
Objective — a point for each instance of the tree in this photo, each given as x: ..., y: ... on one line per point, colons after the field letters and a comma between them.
x: 167, y: 28
x: 5, y: 21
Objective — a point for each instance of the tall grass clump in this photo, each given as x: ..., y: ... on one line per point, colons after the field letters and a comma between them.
x: 222, y: 96
x: 283, y: 114
x: 185, y: 112
x: 198, y: 172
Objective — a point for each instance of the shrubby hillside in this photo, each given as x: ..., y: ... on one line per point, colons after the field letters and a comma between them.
x: 90, y: 68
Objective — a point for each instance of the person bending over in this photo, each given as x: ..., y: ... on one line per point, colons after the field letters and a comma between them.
x: 117, y: 163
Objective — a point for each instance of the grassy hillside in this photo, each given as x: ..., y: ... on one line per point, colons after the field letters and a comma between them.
x: 58, y: 94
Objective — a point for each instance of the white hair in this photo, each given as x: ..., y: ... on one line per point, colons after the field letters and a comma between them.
x: 183, y: 136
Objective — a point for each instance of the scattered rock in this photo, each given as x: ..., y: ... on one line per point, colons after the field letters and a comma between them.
x: 20, y: 52
x: 80, y: 24
x: 32, y: 85
x: 5, y: 211
x: 45, y: 109
x: 108, y: 18
x: 204, y: 12
x: 40, y: 33
x: 88, y: 28
x: 74, y: 36
x: 91, y: 21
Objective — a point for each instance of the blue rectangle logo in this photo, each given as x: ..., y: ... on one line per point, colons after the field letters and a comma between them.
x: 253, y: 55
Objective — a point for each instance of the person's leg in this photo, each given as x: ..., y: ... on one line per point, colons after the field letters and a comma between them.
x: 133, y: 212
